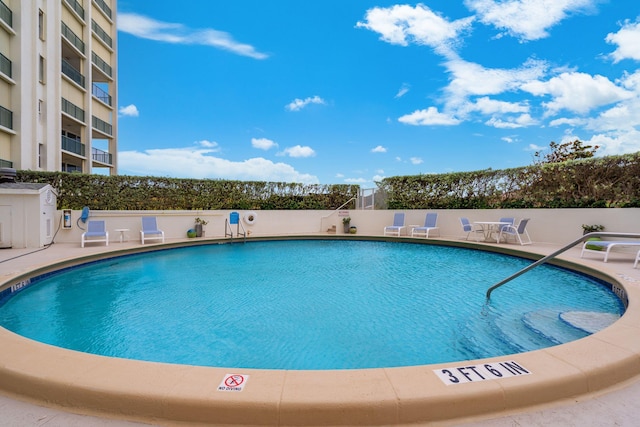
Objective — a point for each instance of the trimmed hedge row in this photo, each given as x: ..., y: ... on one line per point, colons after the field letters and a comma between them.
x: 612, y: 182
x: 120, y: 192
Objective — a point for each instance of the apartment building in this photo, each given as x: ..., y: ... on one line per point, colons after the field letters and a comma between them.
x: 58, y: 85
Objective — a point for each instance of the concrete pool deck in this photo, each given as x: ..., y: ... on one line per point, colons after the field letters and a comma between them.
x: 593, y: 381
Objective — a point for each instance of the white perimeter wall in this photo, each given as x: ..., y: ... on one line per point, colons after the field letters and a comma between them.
x: 558, y: 226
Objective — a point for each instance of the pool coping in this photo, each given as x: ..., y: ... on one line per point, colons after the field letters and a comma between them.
x: 165, y: 393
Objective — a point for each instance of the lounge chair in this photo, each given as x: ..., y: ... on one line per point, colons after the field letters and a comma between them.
x: 397, y: 227
x: 605, y: 246
x: 429, y: 225
x: 518, y: 232
x: 96, y: 232
x: 469, y: 228
x: 150, y: 230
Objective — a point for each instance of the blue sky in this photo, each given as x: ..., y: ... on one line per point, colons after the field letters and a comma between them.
x: 338, y: 91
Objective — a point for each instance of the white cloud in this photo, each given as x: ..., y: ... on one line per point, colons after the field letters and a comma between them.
x: 379, y: 149
x: 520, y: 121
x: 416, y: 160
x: 577, y: 92
x: 402, y: 91
x: 402, y: 24
x: 473, y: 79
x: 628, y: 41
x: 148, y: 28
x: 486, y: 105
x: 298, y: 104
x: 428, y: 117
x: 129, y: 111
x: 263, y: 143
x: 198, y: 163
x: 534, y: 147
x: 299, y: 151
x: 212, y: 146
x: 526, y: 19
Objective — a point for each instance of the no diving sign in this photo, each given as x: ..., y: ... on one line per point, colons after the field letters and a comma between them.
x: 233, y: 382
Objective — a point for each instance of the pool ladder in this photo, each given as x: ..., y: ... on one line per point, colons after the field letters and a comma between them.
x: 234, y: 218
x: 558, y: 252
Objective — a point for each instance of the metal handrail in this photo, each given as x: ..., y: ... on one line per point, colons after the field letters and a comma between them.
x: 558, y: 252
x: 336, y: 210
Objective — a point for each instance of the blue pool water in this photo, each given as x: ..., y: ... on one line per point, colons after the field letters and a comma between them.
x: 310, y: 304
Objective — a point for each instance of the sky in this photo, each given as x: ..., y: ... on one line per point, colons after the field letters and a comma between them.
x: 353, y: 91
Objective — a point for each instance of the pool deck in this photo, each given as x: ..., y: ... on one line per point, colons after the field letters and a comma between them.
x: 614, y: 404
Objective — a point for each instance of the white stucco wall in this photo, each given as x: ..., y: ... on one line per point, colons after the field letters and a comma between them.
x: 546, y: 226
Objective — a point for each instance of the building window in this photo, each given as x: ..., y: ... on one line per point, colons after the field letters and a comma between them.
x: 40, y: 105
x: 41, y: 31
x: 40, y: 155
x: 41, y: 73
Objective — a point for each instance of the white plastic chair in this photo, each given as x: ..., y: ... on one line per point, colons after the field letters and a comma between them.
x: 397, y: 227
x: 96, y: 232
x: 469, y: 228
x: 517, y: 232
x: 429, y: 225
x: 150, y: 230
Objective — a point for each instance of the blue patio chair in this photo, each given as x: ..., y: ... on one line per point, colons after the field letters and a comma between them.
x: 510, y: 220
x: 96, y: 232
x: 429, y: 225
x: 150, y: 230
x: 468, y: 228
x: 518, y: 232
x: 397, y: 227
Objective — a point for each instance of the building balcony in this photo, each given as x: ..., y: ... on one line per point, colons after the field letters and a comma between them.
x: 6, y: 14
x: 76, y: 41
x: 73, y: 110
x: 75, y: 75
x: 101, y: 156
x: 101, y: 126
x: 6, y: 163
x: 77, y: 7
x: 73, y: 146
x: 103, y: 6
x: 6, y: 118
x: 101, y: 94
x: 101, y: 64
x: 102, y: 34
x: 5, y: 66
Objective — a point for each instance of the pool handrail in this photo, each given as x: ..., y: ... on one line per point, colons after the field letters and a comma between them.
x: 558, y: 252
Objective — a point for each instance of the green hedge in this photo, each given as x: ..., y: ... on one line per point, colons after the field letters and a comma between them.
x: 607, y: 182
x: 122, y: 192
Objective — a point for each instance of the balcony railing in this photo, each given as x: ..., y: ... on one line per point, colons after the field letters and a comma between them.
x: 101, y: 33
x: 101, y: 156
x: 77, y: 7
x: 99, y: 93
x: 6, y: 118
x: 101, y: 125
x: 73, y: 145
x: 5, y: 163
x: 101, y: 64
x: 6, y: 14
x: 104, y: 7
x: 72, y: 110
x: 72, y: 37
x: 5, y: 65
x: 75, y: 75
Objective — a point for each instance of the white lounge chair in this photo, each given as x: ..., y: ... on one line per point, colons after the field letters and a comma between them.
x: 96, y: 232
x: 150, y: 230
x: 429, y: 225
x: 607, y: 246
x: 397, y: 227
x: 468, y: 228
x: 518, y: 232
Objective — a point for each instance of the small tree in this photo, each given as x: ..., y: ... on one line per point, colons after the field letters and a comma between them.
x: 559, y: 153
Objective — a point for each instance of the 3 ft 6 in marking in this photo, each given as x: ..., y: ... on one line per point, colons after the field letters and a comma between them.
x: 484, y: 372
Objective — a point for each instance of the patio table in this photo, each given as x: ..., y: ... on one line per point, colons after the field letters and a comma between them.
x: 490, y: 227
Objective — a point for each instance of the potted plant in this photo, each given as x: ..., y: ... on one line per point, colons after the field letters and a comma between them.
x: 200, y: 223
x: 345, y: 223
x: 590, y: 229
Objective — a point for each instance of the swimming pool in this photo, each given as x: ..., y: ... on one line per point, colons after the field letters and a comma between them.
x: 306, y: 305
